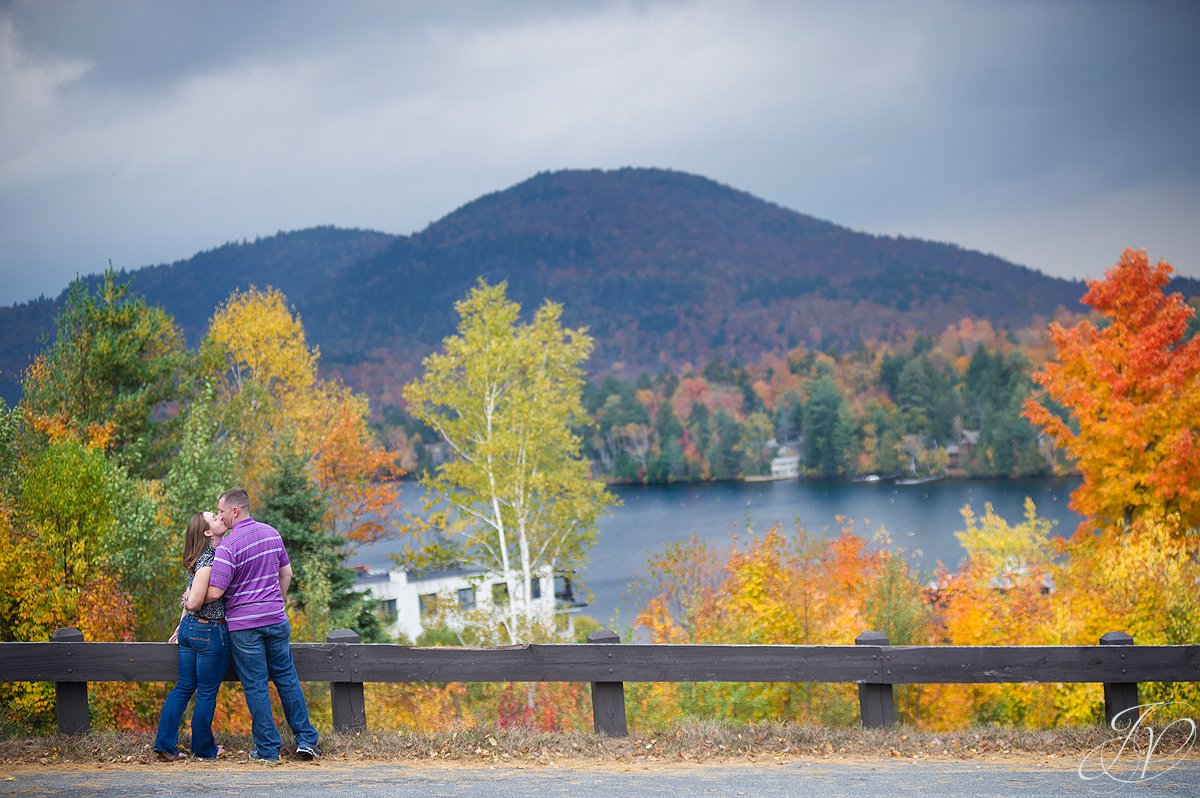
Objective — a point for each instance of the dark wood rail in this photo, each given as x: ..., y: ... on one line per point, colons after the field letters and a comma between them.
x: 872, y: 664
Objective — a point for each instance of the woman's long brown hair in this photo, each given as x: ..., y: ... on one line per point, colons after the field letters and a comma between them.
x: 194, y: 541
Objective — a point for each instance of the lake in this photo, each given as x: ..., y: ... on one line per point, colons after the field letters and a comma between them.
x: 921, y: 520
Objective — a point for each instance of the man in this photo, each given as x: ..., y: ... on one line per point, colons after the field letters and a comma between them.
x: 253, y: 572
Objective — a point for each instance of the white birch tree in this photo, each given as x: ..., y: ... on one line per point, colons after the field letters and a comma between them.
x: 517, y: 495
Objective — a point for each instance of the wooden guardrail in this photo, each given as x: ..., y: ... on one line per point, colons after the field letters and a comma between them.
x: 871, y: 663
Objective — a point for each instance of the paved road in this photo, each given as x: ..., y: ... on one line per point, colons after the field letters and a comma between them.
x: 794, y: 779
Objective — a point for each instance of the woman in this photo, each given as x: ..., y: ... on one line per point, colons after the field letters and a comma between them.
x: 203, y: 648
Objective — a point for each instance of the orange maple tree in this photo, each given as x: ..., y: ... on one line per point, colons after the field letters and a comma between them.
x: 1131, y: 386
x: 360, y: 478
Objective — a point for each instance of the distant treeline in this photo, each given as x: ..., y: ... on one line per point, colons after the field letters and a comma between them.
x: 949, y: 405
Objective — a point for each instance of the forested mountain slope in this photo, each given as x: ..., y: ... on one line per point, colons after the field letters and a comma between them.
x: 661, y: 266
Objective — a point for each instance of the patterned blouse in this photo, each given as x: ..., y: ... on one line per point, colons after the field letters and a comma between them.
x: 213, y: 610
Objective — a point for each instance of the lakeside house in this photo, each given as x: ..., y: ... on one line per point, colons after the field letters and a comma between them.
x: 408, y: 598
x: 786, y: 463
x: 959, y: 453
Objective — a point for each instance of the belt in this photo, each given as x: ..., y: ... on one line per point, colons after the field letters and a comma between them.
x: 210, y: 620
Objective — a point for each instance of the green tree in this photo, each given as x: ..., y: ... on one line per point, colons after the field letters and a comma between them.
x: 722, y: 453
x: 669, y: 465
x: 914, y: 395
x: 202, y: 467
x: 517, y: 495
x: 700, y: 424
x: 10, y: 426
x: 826, y: 428
x: 114, y: 362
x: 879, y: 431
x: 323, y: 587
x: 88, y: 548
x: 981, y: 384
x: 789, y: 417
x: 144, y: 549
x: 757, y: 429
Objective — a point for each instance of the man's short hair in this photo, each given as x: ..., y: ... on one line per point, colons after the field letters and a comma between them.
x: 236, y: 497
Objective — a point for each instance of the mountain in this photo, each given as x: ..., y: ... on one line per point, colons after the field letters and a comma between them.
x: 661, y: 266
x: 190, y: 290
x: 292, y: 262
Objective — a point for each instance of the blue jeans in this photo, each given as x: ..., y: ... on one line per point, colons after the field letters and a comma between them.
x: 266, y: 653
x: 203, y: 660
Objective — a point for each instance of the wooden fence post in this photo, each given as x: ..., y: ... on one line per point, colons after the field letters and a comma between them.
x: 876, y: 706
x: 1119, y: 696
x: 608, y: 698
x: 71, y: 698
x: 349, y: 705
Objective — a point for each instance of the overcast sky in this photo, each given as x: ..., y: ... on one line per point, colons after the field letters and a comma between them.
x: 1053, y: 134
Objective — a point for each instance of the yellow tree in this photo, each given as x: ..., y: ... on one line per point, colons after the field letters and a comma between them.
x: 59, y: 538
x: 266, y: 374
x: 1141, y: 581
x: 999, y: 596
x: 271, y: 397
x: 1131, y: 388
x: 777, y: 589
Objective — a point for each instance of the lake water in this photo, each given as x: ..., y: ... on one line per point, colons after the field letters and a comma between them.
x: 920, y: 519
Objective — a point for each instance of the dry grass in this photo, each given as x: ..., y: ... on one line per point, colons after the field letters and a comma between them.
x: 689, y: 742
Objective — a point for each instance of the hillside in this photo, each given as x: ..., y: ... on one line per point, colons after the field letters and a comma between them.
x: 661, y: 267
x: 664, y: 266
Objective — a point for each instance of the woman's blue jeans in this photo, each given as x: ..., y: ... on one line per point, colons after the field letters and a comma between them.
x: 264, y: 654
x: 203, y: 661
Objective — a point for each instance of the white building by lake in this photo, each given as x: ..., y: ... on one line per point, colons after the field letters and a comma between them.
x: 786, y: 463
x: 408, y: 598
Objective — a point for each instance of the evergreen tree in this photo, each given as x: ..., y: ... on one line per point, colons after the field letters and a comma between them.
x: 789, y: 417
x: 322, y: 586
x: 981, y: 384
x: 723, y: 456
x: 700, y: 423
x: 826, y: 428
x: 114, y: 362
x: 914, y: 396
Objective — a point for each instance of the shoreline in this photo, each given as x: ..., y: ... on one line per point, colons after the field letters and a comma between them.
x: 858, y: 479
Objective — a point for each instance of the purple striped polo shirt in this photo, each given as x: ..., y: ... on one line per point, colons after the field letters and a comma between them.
x: 247, y: 569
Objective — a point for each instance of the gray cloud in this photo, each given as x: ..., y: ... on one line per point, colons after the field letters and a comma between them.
x: 1053, y: 134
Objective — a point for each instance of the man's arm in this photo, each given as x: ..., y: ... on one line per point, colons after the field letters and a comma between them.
x: 221, y: 575
x: 285, y: 579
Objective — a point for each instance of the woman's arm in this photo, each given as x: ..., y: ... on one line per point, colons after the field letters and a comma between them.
x: 196, y: 595
x: 174, y: 638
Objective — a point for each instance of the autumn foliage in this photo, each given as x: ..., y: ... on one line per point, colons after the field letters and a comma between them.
x: 1017, y: 584
x: 1130, y: 385
x: 93, y: 468
x: 272, y: 398
x: 777, y: 588
x: 121, y: 433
